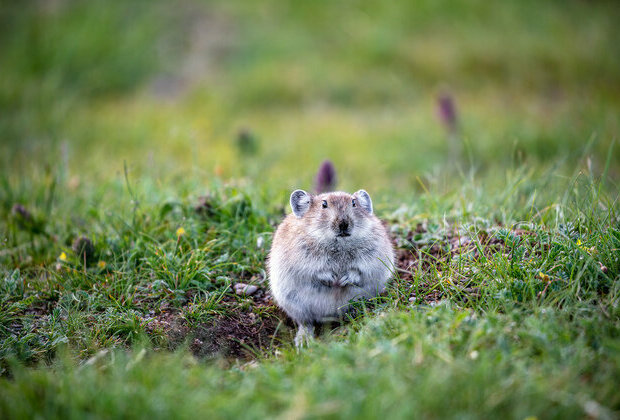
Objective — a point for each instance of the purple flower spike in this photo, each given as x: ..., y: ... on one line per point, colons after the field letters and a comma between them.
x: 325, y: 180
x: 447, y: 112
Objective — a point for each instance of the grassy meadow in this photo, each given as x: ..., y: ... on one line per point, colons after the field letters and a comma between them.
x: 147, y: 152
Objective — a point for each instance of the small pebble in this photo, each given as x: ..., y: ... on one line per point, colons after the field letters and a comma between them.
x: 463, y: 240
x: 245, y: 289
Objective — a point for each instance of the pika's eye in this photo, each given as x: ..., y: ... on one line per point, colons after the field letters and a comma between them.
x: 354, y: 202
x: 324, y: 204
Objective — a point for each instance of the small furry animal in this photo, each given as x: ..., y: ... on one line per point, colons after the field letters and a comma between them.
x: 331, y: 250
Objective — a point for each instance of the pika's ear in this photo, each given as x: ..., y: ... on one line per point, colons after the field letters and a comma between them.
x: 300, y: 202
x: 364, y: 200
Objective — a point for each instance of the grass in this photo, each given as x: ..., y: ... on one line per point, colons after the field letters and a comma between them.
x: 145, y: 167
x: 435, y: 362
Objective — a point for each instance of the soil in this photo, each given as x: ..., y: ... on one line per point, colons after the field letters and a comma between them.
x: 243, y: 335
x: 240, y: 334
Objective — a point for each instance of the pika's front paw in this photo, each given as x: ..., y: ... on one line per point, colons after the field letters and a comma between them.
x: 351, y: 278
x: 327, y: 279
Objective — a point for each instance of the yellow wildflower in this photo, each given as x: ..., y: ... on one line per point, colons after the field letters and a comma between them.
x: 543, y: 277
x: 101, y: 264
x: 180, y: 231
x: 591, y: 250
x: 62, y: 256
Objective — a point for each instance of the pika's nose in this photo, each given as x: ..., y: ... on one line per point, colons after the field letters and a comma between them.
x: 343, y: 227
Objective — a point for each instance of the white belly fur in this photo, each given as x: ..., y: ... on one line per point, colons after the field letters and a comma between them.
x: 305, y: 301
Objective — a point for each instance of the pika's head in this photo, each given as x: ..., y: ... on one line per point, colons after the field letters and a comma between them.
x: 334, y: 215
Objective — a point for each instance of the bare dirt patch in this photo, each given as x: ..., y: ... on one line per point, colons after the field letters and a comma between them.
x: 241, y: 335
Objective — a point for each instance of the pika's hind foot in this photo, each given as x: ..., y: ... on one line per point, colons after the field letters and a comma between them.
x: 305, y: 335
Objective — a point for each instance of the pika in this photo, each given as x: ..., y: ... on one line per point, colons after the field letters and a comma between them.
x: 330, y: 251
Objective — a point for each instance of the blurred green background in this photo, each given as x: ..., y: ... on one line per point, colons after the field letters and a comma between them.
x: 169, y: 86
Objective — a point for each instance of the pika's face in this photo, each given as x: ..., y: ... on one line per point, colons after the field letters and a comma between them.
x: 335, y: 215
